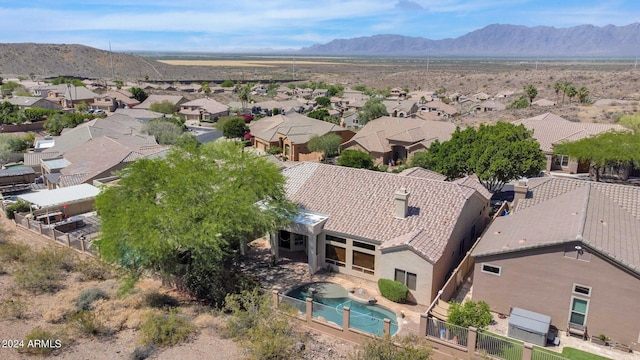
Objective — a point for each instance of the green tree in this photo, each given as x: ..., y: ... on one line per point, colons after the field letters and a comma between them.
x: 81, y: 107
x: 558, y: 87
x: 519, y: 103
x: 187, y: 215
x: 244, y: 94
x: 631, y: 121
x: 372, y: 109
x: 323, y: 101
x: 233, y: 128
x: 165, y: 107
x: 470, y: 313
x: 138, y: 93
x: 165, y: 132
x: 583, y: 94
x: 227, y: 84
x: 531, y: 92
x: 356, y: 159
x: 327, y: 144
x: 119, y: 84
x: 571, y: 92
x: 32, y: 76
x: 320, y: 114
x: 613, y: 148
x: 206, y: 88
x: 409, y: 347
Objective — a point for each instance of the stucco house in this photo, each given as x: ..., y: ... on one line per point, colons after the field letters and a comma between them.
x: 203, y: 109
x: 490, y: 105
x: 374, y: 225
x: 114, y: 100
x: 549, y: 129
x: 391, y: 138
x: 291, y: 133
x: 439, y: 108
x: 570, y: 250
x: 176, y: 100
x: 28, y: 102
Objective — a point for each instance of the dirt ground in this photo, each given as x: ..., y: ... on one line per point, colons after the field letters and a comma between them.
x: 123, y: 317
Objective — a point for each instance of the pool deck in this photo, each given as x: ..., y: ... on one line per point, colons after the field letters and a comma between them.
x: 291, y: 271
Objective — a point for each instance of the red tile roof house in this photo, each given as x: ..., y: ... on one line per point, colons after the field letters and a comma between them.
x: 203, y: 109
x: 291, y: 133
x: 549, y: 129
x: 570, y: 250
x: 388, y: 138
x: 374, y: 225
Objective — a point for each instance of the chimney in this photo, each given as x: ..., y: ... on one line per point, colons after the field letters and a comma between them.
x: 519, y: 192
x: 401, y: 201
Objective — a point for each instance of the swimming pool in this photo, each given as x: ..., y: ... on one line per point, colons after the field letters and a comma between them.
x: 330, y: 299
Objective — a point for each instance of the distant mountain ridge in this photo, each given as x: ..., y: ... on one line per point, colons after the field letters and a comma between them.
x: 498, y: 40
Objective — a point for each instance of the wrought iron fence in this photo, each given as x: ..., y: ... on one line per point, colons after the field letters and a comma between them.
x: 541, y: 354
x: 499, y: 347
x: 445, y: 331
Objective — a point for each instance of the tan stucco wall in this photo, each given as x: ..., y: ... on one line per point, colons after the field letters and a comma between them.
x: 542, y: 281
x: 409, y: 261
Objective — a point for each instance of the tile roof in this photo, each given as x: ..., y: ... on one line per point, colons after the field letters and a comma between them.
x: 33, y: 159
x: 146, y: 104
x: 296, y: 127
x: 360, y: 203
x: 604, y: 217
x: 209, y: 105
x: 140, y: 114
x: 376, y: 134
x: 549, y: 129
x: 423, y: 173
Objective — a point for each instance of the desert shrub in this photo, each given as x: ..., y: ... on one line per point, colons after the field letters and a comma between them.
x: 54, y: 339
x: 10, y: 252
x: 87, y: 323
x: 88, y: 296
x: 275, y: 150
x: 267, y: 334
x: 470, y: 313
x: 393, y: 290
x: 62, y: 258
x: 39, y: 274
x: 94, y: 269
x: 16, y: 207
x: 211, y: 283
x: 143, y: 352
x: 165, y: 329
x: 157, y: 300
x: 409, y: 347
x: 13, y: 308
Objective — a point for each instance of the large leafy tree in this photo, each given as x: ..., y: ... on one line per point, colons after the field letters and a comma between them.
x: 372, y: 109
x: 356, y: 159
x: 138, y: 93
x: 165, y: 132
x: 233, y: 127
x: 187, y: 215
x: 613, y: 148
x: 495, y: 153
x: 327, y: 144
x: 164, y: 106
x: 631, y: 121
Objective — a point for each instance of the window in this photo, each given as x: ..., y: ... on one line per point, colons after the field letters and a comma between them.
x: 406, y: 278
x: 285, y: 239
x: 491, y: 269
x: 287, y: 149
x: 364, y: 246
x: 581, y: 290
x: 336, y: 239
x: 561, y: 160
x: 335, y: 255
x: 365, y: 263
x: 578, y: 313
x: 298, y: 240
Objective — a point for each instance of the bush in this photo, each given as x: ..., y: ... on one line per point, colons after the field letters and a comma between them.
x: 157, y: 300
x: 87, y: 297
x: 212, y: 283
x: 94, y: 269
x: 470, y: 313
x: 14, y: 308
x: 165, y: 329
x: 393, y: 290
x: 87, y: 323
x: 143, y: 352
x: 19, y: 207
x: 409, y: 347
x: 274, y: 150
x: 40, y: 273
x: 13, y: 252
x: 55, y: 341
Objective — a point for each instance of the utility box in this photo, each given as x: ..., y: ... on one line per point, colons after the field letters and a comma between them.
x: 529, y: 326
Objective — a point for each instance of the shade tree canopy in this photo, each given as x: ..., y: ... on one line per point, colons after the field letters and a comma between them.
x: 327, y: 144
x: 372, y: 109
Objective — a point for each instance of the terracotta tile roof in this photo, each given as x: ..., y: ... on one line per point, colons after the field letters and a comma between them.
x: 550, y: 129
x: 209, y: 105
x: 298, y: 128
x: 473, y: 182
x: 604, y: 217
x: 376, y: 134
x: 146, y: 104
x: 423, y: 173
x: 360, y: 203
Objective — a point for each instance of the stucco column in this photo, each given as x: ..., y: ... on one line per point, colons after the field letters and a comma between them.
x: 273, y: 239
x: 346, y: 317
x: 527, y: 352
x: 386, y: 327
x: 422, y: 330
x: 309, y: 313
x: 472, y: 335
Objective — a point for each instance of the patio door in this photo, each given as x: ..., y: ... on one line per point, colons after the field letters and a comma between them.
x: 578, y: 313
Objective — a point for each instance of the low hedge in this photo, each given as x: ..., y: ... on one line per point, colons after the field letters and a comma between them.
x: 393, y: 290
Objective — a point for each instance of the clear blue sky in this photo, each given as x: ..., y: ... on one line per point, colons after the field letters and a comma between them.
x: 205, y: 25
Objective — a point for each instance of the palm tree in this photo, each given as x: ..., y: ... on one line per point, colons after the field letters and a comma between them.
x: 243, y: 95
x: 571, y: 92
x: 583, y: 94
x: 558, y: 86
x: 531, y: 92
x: 565, y: 87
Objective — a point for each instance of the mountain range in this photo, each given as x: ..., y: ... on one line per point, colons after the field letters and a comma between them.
x: 498, y: 40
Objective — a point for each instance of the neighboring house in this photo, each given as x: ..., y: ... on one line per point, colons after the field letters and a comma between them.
x: 284, y: 107
x: 350, y: 120
x: 570, y: 250
x: 423, y: 173
x: 27, y: 102
x: 17, y: 175
x: 397, y: 92
x: 504, y: 94
x: 65, y: 95
x: 543, y: 103
x: 259, y: 89
x: 291, y: 134
x: 481, y: 96
x: 96, y: 159
x: 388, y: 138
x: 400, y: 108
x: 303, y: 92
x: 203, y: 109
x: 439, y: 108
x: 490, y: 105
x: 139, y: 114
x: 113, y: 100
x: 176, y: 100
x: 549, y: 129
x: 319, y: 92
x: 374, y: 225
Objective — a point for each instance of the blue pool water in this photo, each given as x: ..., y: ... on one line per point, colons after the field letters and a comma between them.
x: 329, y: 301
